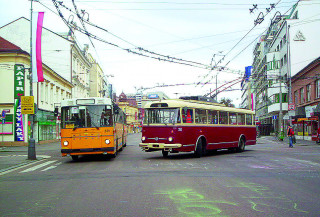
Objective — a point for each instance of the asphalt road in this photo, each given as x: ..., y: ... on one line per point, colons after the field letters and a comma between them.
x: 268, y: 179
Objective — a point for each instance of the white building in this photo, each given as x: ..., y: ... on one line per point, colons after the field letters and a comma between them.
x: 61, y: 53
x: 290, y: 44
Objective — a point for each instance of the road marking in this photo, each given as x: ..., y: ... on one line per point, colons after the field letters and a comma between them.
x: 52, y: 167
x: 38, y: 166
x: 19, y: 167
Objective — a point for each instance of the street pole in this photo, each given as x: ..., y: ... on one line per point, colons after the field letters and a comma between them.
x: 32, y: 143
x: 289, y: 69
x: 280, y: 112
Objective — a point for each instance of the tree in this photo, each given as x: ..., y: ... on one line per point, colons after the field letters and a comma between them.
x: 226, y: 102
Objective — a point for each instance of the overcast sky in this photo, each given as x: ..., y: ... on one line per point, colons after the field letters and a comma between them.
x: 191, y: 30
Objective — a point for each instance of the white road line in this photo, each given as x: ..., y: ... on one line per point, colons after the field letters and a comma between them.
x: 38, y: 166
x: 52, y: 167
x: 19, y: 167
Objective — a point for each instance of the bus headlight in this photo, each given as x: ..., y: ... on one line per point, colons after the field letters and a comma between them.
x: 65, y: 143
x: 143, y: 138
x: 107, y: 141
x: 170, y: 139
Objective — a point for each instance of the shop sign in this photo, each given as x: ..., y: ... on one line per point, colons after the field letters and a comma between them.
x: 302, y: 119
x: 19, y: 72
x: 18, y: 122
x: 310, y: 110
x: 18, y: 81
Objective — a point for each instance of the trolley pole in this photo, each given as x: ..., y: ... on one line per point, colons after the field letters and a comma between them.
x: 32, y: 143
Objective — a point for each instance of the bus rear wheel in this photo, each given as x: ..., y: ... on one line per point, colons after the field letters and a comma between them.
x: 241, y: 146
x: 165, y: 153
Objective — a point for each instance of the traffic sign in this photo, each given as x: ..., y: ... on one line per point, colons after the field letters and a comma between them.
x: 291, y: 107
x: 274, y: 117
x: 3, y: 114
x: 27, y: 104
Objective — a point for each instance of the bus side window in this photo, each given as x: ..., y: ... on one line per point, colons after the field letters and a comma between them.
x: 187, y: 115
x: 232, y: 118
x: 241, y: 119
x: 248, y: 119
x: 200, y: 116
x: 223, y: 117
x: 213, y: 117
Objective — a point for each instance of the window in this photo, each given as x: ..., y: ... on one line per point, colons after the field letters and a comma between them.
x: 285, y: 59
x: 223, y: 117
x: 248, y: 119
x: 241, y: 119
x: 296, y: 97
x: 317, y: 86
x: 308, y: 92
x: 200, y: 116
x: 213, y: 117
x: 233, y: 118
x: 163, y: 116
x: 187, y: 115
x: 302, y: 95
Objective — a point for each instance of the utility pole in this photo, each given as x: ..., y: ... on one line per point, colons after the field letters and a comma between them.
x: 31, y: 145
x: 289, y: 68
x: 280, y: 112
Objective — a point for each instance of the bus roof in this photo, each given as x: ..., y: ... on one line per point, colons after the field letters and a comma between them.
x: 86, y: 101
x: 177, y: 103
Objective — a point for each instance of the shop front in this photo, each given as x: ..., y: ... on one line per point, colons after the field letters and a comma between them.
x: 46, y: 126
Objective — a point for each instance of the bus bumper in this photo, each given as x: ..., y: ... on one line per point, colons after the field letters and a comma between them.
x: 158, y: 146
x: 66, y: 152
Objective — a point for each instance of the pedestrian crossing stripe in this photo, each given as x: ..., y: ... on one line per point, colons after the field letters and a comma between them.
x: 38, y: 166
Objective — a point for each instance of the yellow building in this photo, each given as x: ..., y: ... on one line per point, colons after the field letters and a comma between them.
x: 14, y: 83
x: 131, y: 115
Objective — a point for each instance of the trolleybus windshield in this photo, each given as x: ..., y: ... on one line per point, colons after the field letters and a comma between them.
x: 86, y: 116
x: 162, y: 116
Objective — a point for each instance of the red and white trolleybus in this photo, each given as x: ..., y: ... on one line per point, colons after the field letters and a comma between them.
x: 195, y: 126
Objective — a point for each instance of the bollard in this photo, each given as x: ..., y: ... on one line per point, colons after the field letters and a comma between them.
x: 32, y: 150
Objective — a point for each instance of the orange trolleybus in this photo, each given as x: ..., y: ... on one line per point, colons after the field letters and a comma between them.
x: 92, y: 126
x: 196, y: 126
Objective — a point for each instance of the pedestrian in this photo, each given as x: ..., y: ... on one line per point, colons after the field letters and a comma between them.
x: 290, y: 134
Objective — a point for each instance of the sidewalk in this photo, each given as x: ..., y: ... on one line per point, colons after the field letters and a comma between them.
x: 285, y: 141
x: 15, y: 156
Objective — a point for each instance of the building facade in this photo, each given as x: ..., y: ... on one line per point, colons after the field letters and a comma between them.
x: 60, y: 52
x: 306, y: 99
x: 290, y: 43
x: 14, y: 78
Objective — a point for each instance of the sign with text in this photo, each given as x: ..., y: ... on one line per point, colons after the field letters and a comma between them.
x: 27, y: 104
x: 19, y: 76
x: 18, y: 81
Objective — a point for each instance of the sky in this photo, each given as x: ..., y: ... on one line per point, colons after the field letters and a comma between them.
x: 196, y: 34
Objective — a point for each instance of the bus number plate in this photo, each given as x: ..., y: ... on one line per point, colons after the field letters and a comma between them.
x: 156, y: 146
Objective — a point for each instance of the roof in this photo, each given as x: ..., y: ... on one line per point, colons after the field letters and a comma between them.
x: 8, y: 47
x: 178, y: 103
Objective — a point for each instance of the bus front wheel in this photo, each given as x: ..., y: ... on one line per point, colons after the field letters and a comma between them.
x: 198, y: 152
x: 165, y: 153
x: 74, y: 157
x: 241, y: 146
